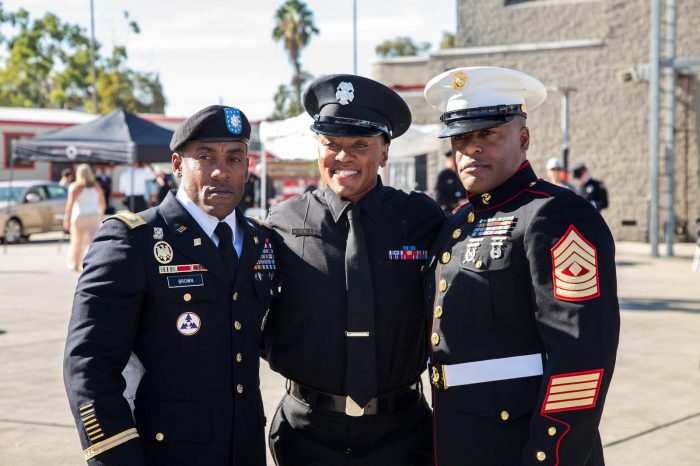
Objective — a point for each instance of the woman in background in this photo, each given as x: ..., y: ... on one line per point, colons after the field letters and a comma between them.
x: 84, y: 209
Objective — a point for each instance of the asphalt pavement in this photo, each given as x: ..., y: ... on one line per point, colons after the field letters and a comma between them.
x: 652, y: 414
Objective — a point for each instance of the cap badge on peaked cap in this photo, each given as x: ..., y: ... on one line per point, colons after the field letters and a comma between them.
x: 345, y: 93
x: 459, y: 80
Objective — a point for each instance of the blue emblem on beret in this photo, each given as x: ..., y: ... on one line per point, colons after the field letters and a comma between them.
x: 234, y: 123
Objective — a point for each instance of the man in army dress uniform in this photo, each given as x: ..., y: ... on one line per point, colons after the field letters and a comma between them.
x: 522, y: 292
x: 348, y: 329
x: 162, y: 356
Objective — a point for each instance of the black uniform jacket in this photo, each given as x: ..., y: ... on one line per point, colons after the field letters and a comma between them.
x: 161, y: 361
x: 596, y: 193
x: 525, y: 271
x: 305, y: 338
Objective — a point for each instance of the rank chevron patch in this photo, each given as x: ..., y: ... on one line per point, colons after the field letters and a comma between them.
x: 573, y: 391
x: 575, y: 268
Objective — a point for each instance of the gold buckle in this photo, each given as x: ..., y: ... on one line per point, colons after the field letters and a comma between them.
x: 352, y: 408
x: 437, y: 377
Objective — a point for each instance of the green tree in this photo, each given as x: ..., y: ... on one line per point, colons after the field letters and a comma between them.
x: 402, y: 46
x: 286, y: 104
x: 294, y: 26
x: 47, y: 64
x: 448, y: 40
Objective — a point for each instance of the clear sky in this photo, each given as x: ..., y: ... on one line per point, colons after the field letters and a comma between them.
x: 211, y: 51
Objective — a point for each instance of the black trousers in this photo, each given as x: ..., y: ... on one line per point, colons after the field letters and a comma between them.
x: 303, y: 436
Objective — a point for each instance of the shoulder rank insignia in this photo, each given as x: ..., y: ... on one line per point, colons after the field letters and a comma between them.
x: 575, y: 268
x: 130, y: 219
x: 576, y: 390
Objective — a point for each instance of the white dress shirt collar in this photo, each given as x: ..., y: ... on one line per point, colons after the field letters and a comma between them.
x: 208, y: 222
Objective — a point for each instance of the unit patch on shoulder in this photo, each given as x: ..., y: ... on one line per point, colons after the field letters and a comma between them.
x: 575, y: 268
x: 131, y: 220
x: 576, y: 390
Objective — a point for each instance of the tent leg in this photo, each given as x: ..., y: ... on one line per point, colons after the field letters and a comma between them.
x: 132, y: 199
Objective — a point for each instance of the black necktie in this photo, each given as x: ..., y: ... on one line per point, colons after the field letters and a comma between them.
x: 226, y: 249
x: 361, y: 369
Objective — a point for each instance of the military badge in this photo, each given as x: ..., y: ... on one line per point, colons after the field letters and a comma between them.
x: 345, y: 93
x: 486, y: 198
x: 572, y: 391
x: 163, y: 269
x: 234, y: 123
x: 408, y: 253
x: 574, y: 268
x: 266, y: 261
x: 157, y: 233
x: 188, y: 323
x: 197, y: 241
x: 459, y: 80
x: 497, y: 243
x: 163, y: 252
x: 494, y: 226
x: 181, y: 229
x: 472, y: 246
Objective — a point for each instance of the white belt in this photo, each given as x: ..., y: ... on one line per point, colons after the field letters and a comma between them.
x: 489, y: 370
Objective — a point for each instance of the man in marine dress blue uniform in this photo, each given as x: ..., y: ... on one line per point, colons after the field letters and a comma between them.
x: 348, y: 330
x: 162, y: 355
x: 522, y: 291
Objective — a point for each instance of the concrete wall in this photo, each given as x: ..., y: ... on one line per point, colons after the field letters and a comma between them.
x: 584, y: 45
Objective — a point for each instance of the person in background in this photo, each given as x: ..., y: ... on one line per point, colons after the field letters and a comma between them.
x: 136, y: 191
x: 67, y: 177
x: 105, y: 183
x: 449, y: 191
x: 84, y: 209
x: 594, y: 191
x: 269, y: 187
x: 556, y: 174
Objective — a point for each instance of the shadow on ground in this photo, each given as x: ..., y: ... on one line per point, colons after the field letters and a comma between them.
x: 652, y: 304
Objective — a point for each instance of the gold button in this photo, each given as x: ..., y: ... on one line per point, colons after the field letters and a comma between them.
x: 457, y: 233
x: 187, y: 297
x: 504, y: 415
x: 437, y: 312
x: 443, y: 285
x: 479, y: 264
x: 160, y: 437
x: 445, y: 257
x: 237, y: 325
x: 470, y: 217
x: 239, y: 357
x: 435, y: 339
x: 552, y: 431
x: 532, y: 183
x: 541, y: 456
x: 239, y: 388
x: 235, y: 296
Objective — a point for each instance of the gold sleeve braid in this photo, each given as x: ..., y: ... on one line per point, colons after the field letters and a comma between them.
x: 111, y: 442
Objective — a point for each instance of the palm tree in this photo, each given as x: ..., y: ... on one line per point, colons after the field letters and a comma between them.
x: 294, y: 25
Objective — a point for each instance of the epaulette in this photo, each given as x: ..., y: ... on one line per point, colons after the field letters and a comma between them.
x: 130, y: 219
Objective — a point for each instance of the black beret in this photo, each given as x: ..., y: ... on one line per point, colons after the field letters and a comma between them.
x: 349, y: 105
x: 215, y: 123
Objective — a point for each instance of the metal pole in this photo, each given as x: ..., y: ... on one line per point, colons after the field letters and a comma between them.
x: 654, y: 128
x: 354, y: 36
x: 92, y: 58
x: 263, y: 178
x: 565, y: 128
x: 670, y: 123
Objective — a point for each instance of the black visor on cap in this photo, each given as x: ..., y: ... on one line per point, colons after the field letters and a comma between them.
x: 467, y: 126
x: 349, y: 127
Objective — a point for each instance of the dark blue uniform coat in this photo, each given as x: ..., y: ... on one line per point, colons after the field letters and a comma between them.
x: 525, y: 271
x: 161, y: 362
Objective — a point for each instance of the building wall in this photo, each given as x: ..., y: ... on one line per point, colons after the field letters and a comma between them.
x: 585, y: 45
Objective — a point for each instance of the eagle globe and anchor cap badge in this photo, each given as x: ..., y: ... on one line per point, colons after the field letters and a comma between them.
x: 188, y: 323
x: 345, y: 93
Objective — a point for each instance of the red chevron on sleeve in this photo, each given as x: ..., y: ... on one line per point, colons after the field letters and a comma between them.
x: 575, y: 268
x: 575, y: 390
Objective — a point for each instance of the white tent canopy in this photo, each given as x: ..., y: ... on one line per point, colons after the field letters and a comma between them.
x: 291, y: 139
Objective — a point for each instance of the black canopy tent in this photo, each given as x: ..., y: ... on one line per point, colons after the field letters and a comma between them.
x: 116, y: 138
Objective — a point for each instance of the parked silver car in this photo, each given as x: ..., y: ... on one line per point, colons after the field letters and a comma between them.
x: 28, y: 207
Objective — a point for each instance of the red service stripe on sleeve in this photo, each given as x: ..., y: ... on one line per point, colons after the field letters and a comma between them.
x: 572, y: 391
